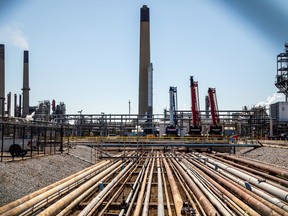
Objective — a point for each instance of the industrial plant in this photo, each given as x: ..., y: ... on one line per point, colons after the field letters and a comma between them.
x: 179, y: 162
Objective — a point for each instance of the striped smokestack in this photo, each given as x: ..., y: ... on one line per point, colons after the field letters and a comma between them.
x: 2, y: 79
x: 26, y: 88
x: 144, y: 60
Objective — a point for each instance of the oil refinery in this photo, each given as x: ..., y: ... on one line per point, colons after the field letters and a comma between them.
x: 179, y: 162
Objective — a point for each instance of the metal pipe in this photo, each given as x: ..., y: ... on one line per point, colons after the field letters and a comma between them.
x: 271, y: 169
x: 178, y: 202
x: 88, y: 210
x: 211, y: 196
x: 208, y: 207
x: 270, y: 199
x: 141, y: 193
x: 263, y: 185
x: 166, y: 190
x: 23, y: 204
x: 243, y: 193
x: 242, y: 167
x: 55, y: 208
x: 148, y: 191
x: 189, y: 193
x: 42, y: 190
x: 134, y: 190
x: 160, y: 211
x: 119, y: 190
x: 223, y: 190
x: 83, y: 196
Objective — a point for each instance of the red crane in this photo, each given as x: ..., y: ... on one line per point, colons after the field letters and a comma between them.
x: 195, y: 128
x: 215, y: 128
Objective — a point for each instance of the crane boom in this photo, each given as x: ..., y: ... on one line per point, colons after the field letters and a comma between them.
x: 196, y: 117
x: 171, y: 129
x: 195, y: 128
x: 215, y: 128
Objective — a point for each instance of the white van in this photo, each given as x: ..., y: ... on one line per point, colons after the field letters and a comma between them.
x: 16, y: 146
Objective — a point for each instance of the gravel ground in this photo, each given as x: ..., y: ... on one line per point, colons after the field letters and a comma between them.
x: 270, y: 155
x: 20, y: 178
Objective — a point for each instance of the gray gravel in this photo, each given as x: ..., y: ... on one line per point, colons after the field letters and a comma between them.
x: 270, y: 155
x: 20, y: 178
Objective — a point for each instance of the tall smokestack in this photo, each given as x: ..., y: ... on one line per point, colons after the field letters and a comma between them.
x: 26, y: 88
x: 2, y: 79
x: 144, y: 60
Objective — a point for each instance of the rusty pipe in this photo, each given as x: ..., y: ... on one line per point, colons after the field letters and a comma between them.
x: 148, y: 191
x: 265, y: 175
x: 178, y: 202
x: 245, y: 194
x: 264, y: 195
x: 55, y: 208
x: 224, y: 191
x: 263, y: 185
x: 271, y: 169
x: 44, y: 196
x: 165, y: 189
x: 76, y: 201
x: 160, y: 198
x: 22, y: 200
x: 88, y: 210
x: 141, y: 193
x: 134, y: 190
x: 208, y: 207
x: 211, y: 196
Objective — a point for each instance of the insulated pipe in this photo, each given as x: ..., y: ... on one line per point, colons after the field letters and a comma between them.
x: 211, y: 196
x: 119, y: 190
x: 178, y: 202
x: 189, y: 194
x: 82, y: 196
x: 55, y: 208
x: 260, y: 193
x: 21, y: 205
x: 166, y: 191
x: 160, y: 211
x: 263, y: 185
x: 88, y: 210
x: 141, y: 193
x: 242, y: 167
x: 122, y: 181
x: 245, y: 194
x: 148, y: 191
x: 135, y: 188
x: 271, y: 169
x: 225, y: 191
x: 208, y: 207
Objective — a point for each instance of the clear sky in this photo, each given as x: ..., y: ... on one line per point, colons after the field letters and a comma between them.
x: 86, y: 53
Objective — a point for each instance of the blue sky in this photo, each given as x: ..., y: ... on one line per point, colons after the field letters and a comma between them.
x: 86, y: 53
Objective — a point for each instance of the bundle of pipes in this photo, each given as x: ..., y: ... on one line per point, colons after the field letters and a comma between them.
x: 265, y: 201
x: 186, y: 183
x: 85, y: 178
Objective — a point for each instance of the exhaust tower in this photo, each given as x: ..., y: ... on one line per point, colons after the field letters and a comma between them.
x: 25, y: 89
x: 144, y: 62
x: 2, y: 79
